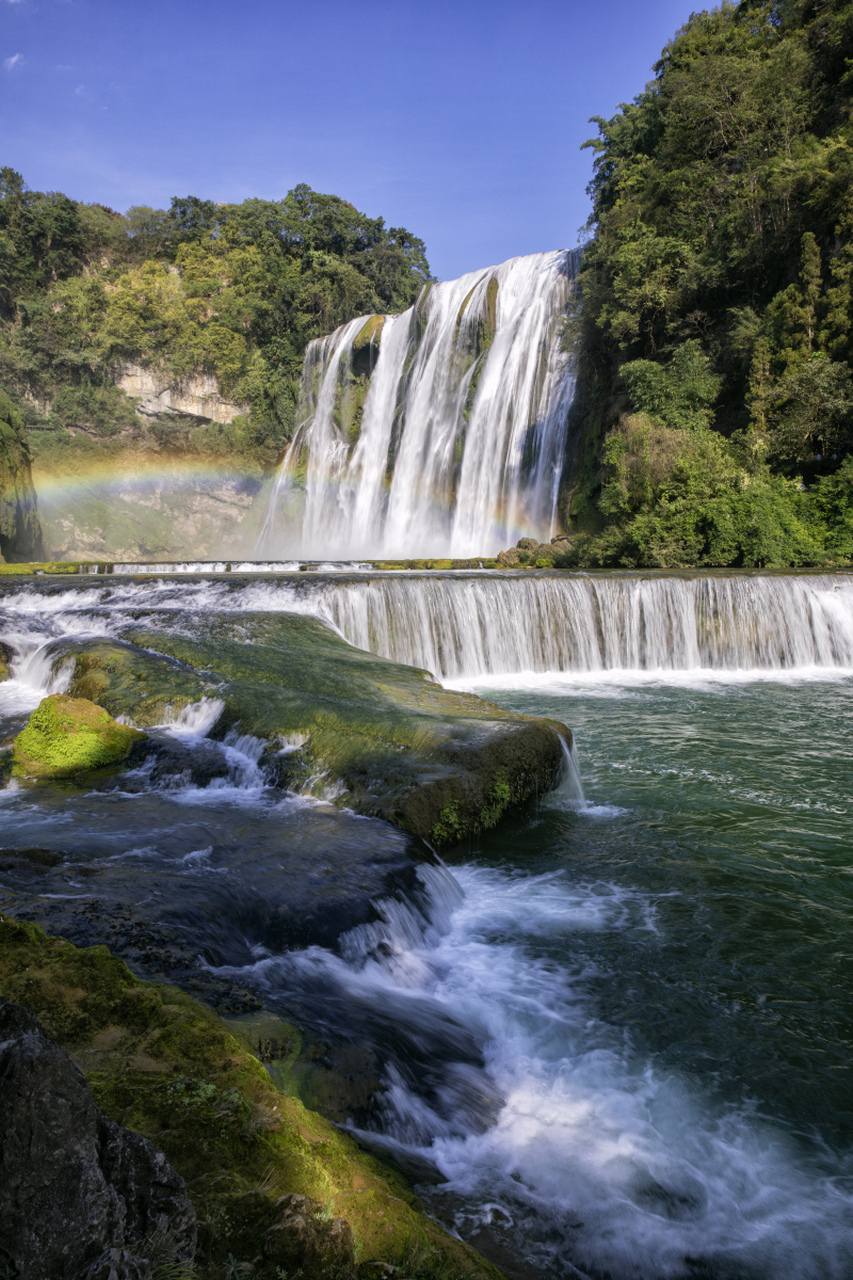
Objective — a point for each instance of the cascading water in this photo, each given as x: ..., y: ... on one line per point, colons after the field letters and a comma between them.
x: 471, y: 626
x: 441, y: 431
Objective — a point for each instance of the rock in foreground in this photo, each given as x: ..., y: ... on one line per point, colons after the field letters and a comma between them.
x: 82, y: 1198
x: 159, y: 1061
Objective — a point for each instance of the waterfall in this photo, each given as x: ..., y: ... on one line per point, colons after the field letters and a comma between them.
x: 468, y: 625
x: 438, y: 432
x: 480, y: 624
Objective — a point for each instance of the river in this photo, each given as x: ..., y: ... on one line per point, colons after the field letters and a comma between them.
x: 619, y: 1025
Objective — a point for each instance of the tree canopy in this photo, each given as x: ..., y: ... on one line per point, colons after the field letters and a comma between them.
x: 716, y: 294
x: 237, y: 290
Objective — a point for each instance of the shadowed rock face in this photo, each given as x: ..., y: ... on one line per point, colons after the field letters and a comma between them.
x: 20, y: 531
x: 81, y: 1197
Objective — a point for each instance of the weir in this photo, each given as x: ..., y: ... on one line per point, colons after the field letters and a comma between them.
x: 440, y: 431
x: 466, y: 625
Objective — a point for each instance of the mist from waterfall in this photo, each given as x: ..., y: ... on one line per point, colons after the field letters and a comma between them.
x: 437, y: 432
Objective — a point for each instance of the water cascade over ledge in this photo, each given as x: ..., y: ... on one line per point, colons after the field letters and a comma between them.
x: 438, y: 432
x: 464, y: 626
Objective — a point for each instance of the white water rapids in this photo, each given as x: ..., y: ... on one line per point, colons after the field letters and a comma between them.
x: 462, y: 437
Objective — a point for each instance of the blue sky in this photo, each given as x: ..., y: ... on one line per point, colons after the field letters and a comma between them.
x: 460, y: 121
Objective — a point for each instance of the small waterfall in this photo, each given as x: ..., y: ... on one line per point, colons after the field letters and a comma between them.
x: 441, y: 431
x: 474, y: 625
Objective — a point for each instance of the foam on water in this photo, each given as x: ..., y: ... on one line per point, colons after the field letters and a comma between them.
x: 597, y: 1158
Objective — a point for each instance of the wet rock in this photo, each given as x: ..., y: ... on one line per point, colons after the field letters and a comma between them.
x: 509, y: 559
x: 20, y: 530
x: 66, y: 736
x: 81, y: 1196
x: 309, y: 1239
x: 6, y: 656
x: 441, y: 764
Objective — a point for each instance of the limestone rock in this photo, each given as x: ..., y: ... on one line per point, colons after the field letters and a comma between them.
x: 66, y: 735
x: 197, y: 395
x: 306, y: 1239
x: 79, y: 1196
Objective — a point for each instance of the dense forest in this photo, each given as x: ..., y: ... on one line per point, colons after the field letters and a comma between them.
x: 715, y: 308
x: 235, y: 290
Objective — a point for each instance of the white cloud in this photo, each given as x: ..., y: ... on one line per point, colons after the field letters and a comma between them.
x: 15, y: 61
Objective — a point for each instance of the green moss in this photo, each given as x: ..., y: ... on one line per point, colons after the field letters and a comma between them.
x: 54, y: 566
x: 403, y: 747
x: 133, y: 682
x: 167, y: 1067
x: 370, y: 334
x: 499, y: 800
x: 448, y: 829
x: 65, y: 736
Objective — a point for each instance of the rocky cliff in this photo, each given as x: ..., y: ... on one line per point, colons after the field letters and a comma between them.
x: 197, y: 395
x: 20, y: 531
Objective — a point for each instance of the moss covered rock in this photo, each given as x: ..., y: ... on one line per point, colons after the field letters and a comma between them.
x: 168, y: 1068
x: 439, y: 764
x: 6, y: 656
x: 66, y: 736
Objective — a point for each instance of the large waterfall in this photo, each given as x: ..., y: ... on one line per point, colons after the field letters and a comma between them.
x: 438, y: 432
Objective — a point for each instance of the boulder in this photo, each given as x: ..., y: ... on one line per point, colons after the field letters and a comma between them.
x: 66, y: 736
x: 81, y: 1197
x: 6, y: 655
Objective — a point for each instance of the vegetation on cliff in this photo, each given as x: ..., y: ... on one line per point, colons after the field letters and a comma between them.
x: 236, y: 291
x: 20, y: 531
x: 715, y: 312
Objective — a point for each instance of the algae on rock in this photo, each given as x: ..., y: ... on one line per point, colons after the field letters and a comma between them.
x: 404, y: 748
x: 165, y: 1066
x: 66, y: 736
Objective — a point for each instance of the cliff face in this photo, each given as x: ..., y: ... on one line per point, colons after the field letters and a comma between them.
x: 197, y: 395
x: 20, y: 531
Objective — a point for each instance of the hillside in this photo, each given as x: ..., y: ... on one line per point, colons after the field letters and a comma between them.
x: 715, y: 318
x: 155, y: 356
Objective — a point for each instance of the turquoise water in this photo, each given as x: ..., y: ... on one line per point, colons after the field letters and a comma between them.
x: 729, y: 809
x: 664, y: 972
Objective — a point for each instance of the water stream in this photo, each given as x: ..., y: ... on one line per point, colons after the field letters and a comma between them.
x: 619, y: 1026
